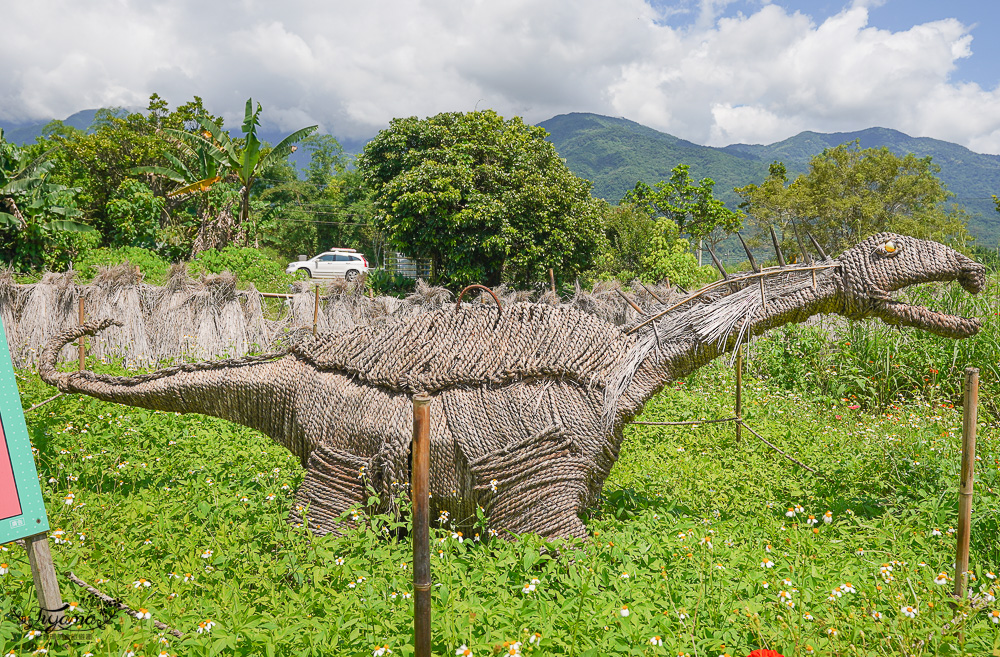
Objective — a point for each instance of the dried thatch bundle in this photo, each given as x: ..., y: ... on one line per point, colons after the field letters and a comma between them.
x: 302, y: 307
x: 347, y: 304
x: 206, y: 318
x: 426, y: 298
x: 12, y: 298
x: 219, y: 325
x: 509, y: 296
x: 258, y: 334
x: 170, y: 324
x: 386, y: 309
x: 117, y: 292
x: 603, y: 301
x: 50, y: 308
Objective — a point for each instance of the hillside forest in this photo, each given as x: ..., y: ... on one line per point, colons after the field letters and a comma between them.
x: 486, y: 199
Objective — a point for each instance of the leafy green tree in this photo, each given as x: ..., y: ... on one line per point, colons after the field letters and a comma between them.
x: 486, y: 199
x: 35, y: 213
x: 135, y: 214
x: 645, y: 247
x: 330, y: 208
x: 692, y: 207
x: 852, y: 193
x: 118, y: 145
x: 326, y: 159
x: 98, y: 163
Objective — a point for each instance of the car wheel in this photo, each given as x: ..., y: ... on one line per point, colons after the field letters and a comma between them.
x: 351, y: 275
x: 303, y: 273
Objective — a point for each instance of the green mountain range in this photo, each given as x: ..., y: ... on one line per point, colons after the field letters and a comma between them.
x: 616, y: 153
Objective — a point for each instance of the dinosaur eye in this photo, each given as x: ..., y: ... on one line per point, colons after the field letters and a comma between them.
x: 889, y: 248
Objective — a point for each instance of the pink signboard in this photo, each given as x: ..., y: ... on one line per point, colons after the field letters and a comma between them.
x: 22, y: 508
x: 10, y: 503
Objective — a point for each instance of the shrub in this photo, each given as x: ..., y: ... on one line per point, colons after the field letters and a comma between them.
x: 150, y: 264
x: 383, y: 282
x: 249, y: 266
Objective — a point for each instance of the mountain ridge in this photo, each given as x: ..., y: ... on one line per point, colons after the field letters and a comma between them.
x: 615, y: 153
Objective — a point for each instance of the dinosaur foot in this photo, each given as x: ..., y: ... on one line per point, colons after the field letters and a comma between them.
x: 334, y: 486
x: 535, y: 485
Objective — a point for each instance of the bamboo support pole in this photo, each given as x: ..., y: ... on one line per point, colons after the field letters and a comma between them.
x: 43, y: 572
x: 651, y: 293
x: 82, y: 342
x: 316, y: 310
x: 118, y: 604
x: 969, y: 418
x: 420, y: 493
x: 43, y: 403
x: 739, y: 393
x: 792, y: 459
x: 552, y: 280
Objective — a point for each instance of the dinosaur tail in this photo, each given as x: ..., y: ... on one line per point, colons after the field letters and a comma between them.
x: 212, y: 387
x: 47, y: 361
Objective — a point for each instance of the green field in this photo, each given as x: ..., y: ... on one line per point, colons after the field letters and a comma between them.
x: 196, y: 508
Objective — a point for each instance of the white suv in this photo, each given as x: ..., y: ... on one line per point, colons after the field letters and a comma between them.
x: 338, y: 263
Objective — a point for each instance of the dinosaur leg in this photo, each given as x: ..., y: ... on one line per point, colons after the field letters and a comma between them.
x: 535, y: 485
x: 334, y: 484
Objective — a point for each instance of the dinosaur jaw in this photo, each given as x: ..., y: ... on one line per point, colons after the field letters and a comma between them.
x: 896, y: 313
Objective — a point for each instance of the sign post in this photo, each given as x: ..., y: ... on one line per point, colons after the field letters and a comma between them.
x: 22, y: 509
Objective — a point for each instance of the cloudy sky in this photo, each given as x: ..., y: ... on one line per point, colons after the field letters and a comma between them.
x: 712, y: 71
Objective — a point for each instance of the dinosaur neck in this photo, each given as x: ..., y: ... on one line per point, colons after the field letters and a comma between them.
x: 692, y: 338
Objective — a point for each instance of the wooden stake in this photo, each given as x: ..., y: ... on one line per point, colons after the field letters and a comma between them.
x: 739, y: 392
x: 651, y: 293
x: 43, y: 572
x: 629, y: 302
x: 420, y: 493
x: 969, y: 417
x: 316, y: 310
x: 552, y: 280
x: 82, y: 342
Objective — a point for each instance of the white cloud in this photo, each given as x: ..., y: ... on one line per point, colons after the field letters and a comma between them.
x: 351, y: 67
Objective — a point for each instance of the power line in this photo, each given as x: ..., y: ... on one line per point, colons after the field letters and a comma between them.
x: 312, y: 221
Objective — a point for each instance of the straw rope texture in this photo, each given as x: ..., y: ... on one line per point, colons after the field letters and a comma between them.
x: 528, y: 402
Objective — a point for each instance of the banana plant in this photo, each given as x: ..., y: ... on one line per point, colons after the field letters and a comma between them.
x: 25, y: 189
x: 246, y: 161
x: 207, y: 169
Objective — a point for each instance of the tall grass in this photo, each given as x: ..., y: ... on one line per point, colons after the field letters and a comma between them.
x: 877, y: 365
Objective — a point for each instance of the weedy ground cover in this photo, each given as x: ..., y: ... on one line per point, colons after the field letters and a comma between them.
x: 701, y: 546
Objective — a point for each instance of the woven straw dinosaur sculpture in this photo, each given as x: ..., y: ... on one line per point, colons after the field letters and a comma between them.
x: 528, y: 402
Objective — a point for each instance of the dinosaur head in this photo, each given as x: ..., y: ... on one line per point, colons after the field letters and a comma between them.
x: 888, y: 262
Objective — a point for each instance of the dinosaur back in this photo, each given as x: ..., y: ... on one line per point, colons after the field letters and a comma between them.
x: 475, y: 345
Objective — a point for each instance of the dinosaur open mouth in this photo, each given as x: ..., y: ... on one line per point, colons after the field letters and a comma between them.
x: 972, y: 278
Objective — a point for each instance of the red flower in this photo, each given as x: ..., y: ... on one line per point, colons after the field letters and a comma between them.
x: 765, y: 652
